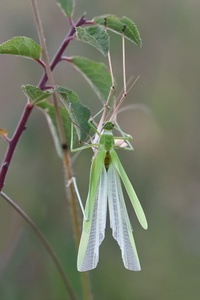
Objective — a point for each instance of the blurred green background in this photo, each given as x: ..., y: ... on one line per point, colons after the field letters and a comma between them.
x: 164, y: 168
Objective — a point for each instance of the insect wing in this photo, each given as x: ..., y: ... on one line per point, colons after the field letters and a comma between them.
x: 119, y: 221
x: 94, y: 229
x: 130, y: 191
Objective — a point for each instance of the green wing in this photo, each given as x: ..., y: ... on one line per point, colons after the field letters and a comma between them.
x: 95, y: 210
x: 130, y: 191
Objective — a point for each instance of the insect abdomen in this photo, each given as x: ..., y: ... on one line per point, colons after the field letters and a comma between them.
x: 107, y: 160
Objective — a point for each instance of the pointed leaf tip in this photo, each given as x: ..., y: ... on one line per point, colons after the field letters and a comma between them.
x: 131, y: 31
x: 116, y: 24
x: 95, y: 36
x: 35, y: 94
x: 21, y: 46
x: 67, y: 7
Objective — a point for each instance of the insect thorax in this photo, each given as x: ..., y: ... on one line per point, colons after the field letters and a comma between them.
x: 106, y: 140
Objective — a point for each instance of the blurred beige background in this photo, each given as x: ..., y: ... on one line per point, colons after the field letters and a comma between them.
x: 164, y: 168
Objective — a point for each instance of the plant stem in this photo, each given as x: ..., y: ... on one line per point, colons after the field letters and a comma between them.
x: 61, y: 49
x: 66, y: 157
x: 45, y: 243
x: 13, y: 142
x: 28, y: 108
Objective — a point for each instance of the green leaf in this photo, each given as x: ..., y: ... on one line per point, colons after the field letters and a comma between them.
x: 117, y: 24
x: 95, y: 36
x: 131, y: 31
x: 79, y: 113
x: 96, y: 74
x: 35, y: 94
x: 49, y: 111
x: 22, y: 46
x: 67, y: 7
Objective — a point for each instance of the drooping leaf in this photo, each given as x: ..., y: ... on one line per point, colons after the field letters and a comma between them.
x: 79, y: 113
x: 49, y: 111
x: 95, y: 36
x: 116, y: 24
x: 67, y: 7
x: 131, y: 31
x: 35, y: 94
x: 96, y: 74
x: 22, y: 46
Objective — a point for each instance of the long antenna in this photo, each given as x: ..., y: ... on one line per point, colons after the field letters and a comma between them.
x: 114, y: 114
x: 124, y: 60
x: 112, y: 88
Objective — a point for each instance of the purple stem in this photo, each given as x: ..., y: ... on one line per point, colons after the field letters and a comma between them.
x: 61, y: 49
x: 28, y: 108
x: 13, y: 142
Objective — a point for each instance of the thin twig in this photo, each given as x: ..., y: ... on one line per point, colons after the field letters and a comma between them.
x: 13, y: 142
x: 44, y: 242
x: 28, y: 108
x: 22, y: 125
x: 66, y: 157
